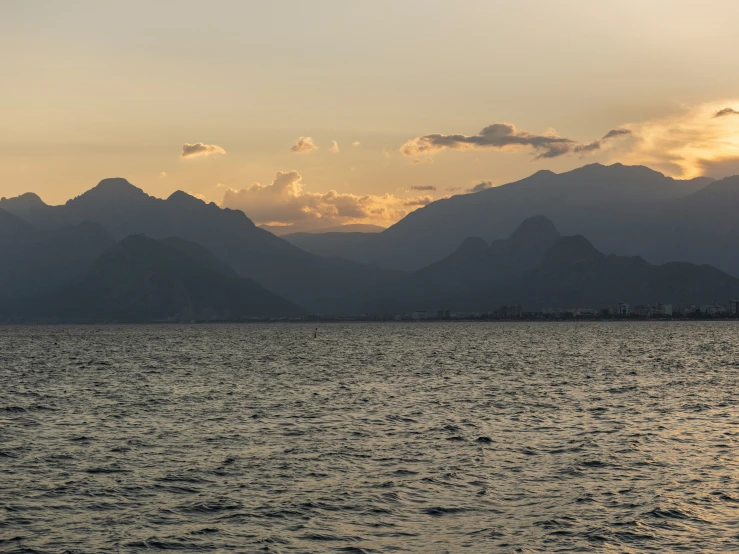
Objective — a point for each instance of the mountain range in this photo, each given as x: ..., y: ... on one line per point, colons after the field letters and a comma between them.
x: 314, y: 282
x: 626, y: 210
x: 116, y: 253
x: 142, y: 279
x: 536, y: 267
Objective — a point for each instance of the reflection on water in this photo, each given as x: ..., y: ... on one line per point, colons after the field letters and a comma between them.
x: 370, y: 438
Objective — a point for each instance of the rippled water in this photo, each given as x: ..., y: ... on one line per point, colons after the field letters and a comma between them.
x: 608, y: 437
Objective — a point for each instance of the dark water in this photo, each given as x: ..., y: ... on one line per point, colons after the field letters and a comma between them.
x: 371, y: 438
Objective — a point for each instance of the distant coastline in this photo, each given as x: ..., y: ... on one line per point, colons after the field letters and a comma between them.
x: 359, y: 319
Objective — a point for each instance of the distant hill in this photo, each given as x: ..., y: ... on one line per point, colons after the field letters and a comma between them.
x: 33, y: 261
x: 141, y: 279
x: 623, y: 209
x: 287, y: 230
x: 316, y: 282
x: 538, y: 268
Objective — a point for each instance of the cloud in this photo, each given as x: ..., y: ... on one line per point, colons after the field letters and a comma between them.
x: 163, y: 175
x: 200, y: 149
x: 597, y: 144
x: 285, y: 202
x: 480, y: 186
x: 726, y: 111
x: 687, y: 143
x: 357, y: 143
x: 334, y: 149
x: 423, y: 160
x: 197, y: 195
x: 304, y: 144
x: 423, y: 187
x: 504, y: 137
x: 419, y: 201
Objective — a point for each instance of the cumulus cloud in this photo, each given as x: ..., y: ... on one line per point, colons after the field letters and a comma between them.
x: 421, y: 188
x: 304, y: 144
x: 726, y: 111
x: 480, y: 186
x: 286, y: 202
x: 357, y: 143
x: 687, y: 143
x: 200, y: 149
x: 503, y: 137
x: 334, y: 147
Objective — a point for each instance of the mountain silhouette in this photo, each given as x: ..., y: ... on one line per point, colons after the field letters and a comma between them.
x: 538, y: 268
x: 142, y: 279
x: 33, y: 261
x: 316, y: 282
x: 617, y: 207
x: 44, y: 248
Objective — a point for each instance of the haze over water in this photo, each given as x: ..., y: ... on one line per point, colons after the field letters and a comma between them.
x: 438, y: 437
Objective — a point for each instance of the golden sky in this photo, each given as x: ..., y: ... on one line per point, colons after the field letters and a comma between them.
x: 327, y: 112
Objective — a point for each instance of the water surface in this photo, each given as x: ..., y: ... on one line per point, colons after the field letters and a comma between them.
x: 605, y: 437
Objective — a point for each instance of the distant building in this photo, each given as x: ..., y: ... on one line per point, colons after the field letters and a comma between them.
x: 620, y: 309
x: 416, y: 316
x: 509, y: 312
x: 641, y: 311
x: 653, y: 310
x: 734, y: 307
x: 443, y: 314
x: 685, y: 309
x: 713, y: 309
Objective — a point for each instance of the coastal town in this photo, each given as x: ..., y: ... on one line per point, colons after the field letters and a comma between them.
x: 514, y: 312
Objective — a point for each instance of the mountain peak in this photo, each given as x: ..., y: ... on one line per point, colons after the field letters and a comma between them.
x: 538, y: 228
x: 115, y: 183
x: 182, y: 198
x: 543, y: 173
x: 114, y: 189
x: 25, y: 200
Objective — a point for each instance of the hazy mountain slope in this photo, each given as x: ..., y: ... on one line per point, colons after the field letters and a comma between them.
x: 328, y: 244
x: 598, y: 201
x: 32, y: 209
x: 575, y: 274
x: 701, y: 228
x: 33, y: 260
x: 142, y: 279
x: 315, y: 282
x: 13, y: 227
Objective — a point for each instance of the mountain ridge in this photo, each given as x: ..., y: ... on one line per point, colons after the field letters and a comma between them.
x: 316, y: 282
x: 139, y: 279
x: 600, y: 202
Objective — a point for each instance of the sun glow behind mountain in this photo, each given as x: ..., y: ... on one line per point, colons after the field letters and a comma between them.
x: 692, y: 142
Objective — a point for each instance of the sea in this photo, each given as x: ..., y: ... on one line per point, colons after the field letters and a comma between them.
x: 370, y: 437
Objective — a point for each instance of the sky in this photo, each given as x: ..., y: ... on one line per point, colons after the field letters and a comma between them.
x: 329, y: 112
